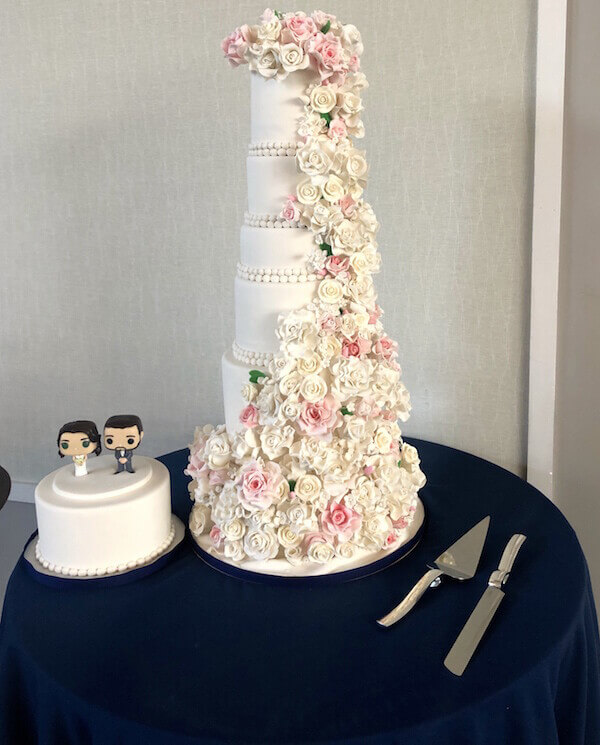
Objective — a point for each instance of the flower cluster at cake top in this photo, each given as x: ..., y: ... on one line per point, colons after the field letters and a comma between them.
x: 320, y: 469
x: 285, y: 42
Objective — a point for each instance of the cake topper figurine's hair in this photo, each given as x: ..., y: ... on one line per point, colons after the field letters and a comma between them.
x: 79, y: 439
x: 123, y: 433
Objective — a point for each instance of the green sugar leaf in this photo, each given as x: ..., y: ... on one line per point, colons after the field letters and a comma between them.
x: 326, y: 27
x: 326, y: 247
x: 400, y: 463
x: 327, y: 117
x: 256, y: 374
x: 346, y: 412
x: 278, y: 14
x: 292, y: 484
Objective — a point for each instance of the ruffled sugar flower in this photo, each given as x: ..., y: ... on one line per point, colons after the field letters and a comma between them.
x: 300, y: 26
x: 328, y: 53
x: 235, y: 45
x: 340, y: 521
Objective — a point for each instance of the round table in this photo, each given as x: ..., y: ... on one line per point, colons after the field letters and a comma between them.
x: 188, y: 655
x: 4, y: 487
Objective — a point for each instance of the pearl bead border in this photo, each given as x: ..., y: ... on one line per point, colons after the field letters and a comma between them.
x: 272, y: 149
x: 113, y: 569
x: 269, y: 221
x: 274, y: 275
x: 248, y: 357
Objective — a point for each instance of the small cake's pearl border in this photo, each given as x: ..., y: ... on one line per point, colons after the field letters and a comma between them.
x: 113, y: 569
x: 274, y: 275
x: 272, y: 149
x: 248, y: 357
x: 254, y: 220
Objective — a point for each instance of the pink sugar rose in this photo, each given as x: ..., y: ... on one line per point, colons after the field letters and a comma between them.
x: 367, y: 408
x: 337, y: 129
x: 386, y: 348
x: 216, y: 537
x: 327, y: 52
x: 390, y: 540
x: 321, y: 418
x: 249, y: 416
x: 234, y: 46
x: 320, y: 18
x: 375, y: 315
x: 196, y: 465
x: 341, y: 521
x: 290, y: 209
x: 347, y: 205
x: 356, y: 348
x: 354, y: 63
x: 258, y: 484
x: 301, y: 27
x: 330, y: 323
x: 368, y: 470
x: 400, y: 524
x: 216, y: 478
x: 316, y: 537
x: 338, y: 265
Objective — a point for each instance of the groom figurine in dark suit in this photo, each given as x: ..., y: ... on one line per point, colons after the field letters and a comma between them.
x: 123, y: 433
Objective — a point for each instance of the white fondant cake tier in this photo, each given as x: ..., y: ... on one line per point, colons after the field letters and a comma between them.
x: 270, y: 181
x: 235, y: 376
x: 275, y: 106
x: 104, y: 521
x: 276, y: 248
x: 258, y: 305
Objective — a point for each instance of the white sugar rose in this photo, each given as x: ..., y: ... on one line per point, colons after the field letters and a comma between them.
x: 351, y: 39
x: 348, y: 325
x: 234, y: 550
x: 266, y: 400
x: 313, y: 160
x: 294, y: 555
x: 270, y: 31
x: 410, y: 456
x: 362, y: 289
x: 330, y: 291
x: 288, y: 537
x: 308, y: 487
x: 300, y: 517
x: 313, y: 388
x: 349, y: 102
x: 249, y: 392
x: 333, y: 189
x: 364, y: 492
x: 356, y: 428
x: 350, y: 377
x: 200, y: 519
x: 290, y: 408
x: 382, y: 440
x: 323, y: 98
x: 290, y: 383
x: 218, y: 451
x: 356, y: 165
x: 233, y: 530
x: 346, y: 237
x: 345, y: 550
x: 280, y: 365
x: 275, y: 441
x: 307, y: 192
x: 261, y: 544
x: 267, y: 63
x: 309, y: 364
x: 320, y: 217
x: 329, y: 346
x: 320, y: 552
x: 293, y: 57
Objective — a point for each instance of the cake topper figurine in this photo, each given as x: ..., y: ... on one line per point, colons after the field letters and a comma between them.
x: 123, y: 433
x: 79, y: 439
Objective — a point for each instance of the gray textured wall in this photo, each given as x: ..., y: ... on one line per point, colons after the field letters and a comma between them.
x: 122, y: 190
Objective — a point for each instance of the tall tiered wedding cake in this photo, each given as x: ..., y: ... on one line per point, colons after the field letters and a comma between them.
x: 310, y: 474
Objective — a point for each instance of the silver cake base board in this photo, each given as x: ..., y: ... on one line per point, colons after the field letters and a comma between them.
x: 144, y: 569
x: 361, y: 565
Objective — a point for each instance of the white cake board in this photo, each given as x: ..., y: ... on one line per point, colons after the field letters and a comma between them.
x: 362, y: 564
x: 30, y: 557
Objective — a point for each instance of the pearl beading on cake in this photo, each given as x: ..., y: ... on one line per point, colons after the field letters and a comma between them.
x: 74, y: 572
x: 277, y: 149
x: 271, y: 275
x: 248, y: 357
x: 269, y: 221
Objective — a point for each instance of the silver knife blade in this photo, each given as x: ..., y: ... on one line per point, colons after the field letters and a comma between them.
x: 472, y: 632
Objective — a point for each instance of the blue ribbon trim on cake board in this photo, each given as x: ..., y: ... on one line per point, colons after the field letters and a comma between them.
x: 320, y: 580
x: 115, y: 580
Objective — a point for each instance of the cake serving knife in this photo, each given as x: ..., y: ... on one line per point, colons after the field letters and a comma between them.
x: 466, y: 643
x: 459, y: 562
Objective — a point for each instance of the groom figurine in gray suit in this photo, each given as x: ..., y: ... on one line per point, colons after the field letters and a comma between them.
x: 123, y: 433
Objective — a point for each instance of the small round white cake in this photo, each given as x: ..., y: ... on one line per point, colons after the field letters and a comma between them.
x: 103, y: 522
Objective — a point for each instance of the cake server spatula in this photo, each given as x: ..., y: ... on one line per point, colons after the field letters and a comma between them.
x: 459, y: 562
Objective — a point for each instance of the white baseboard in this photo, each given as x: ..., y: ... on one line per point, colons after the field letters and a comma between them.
x: 21, y: 491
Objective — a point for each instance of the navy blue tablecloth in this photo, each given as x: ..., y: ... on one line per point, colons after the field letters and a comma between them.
x: 188, y: 655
